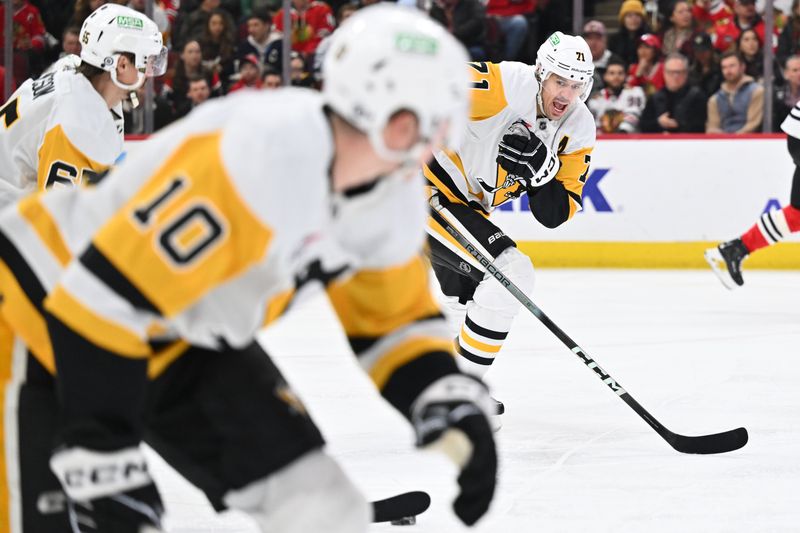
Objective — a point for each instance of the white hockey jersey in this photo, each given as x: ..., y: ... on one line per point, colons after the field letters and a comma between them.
x: 618, y: 113
x: 791, y: 124
x: 58, y: 130
x: 209, y: 230
x: 502, y: 94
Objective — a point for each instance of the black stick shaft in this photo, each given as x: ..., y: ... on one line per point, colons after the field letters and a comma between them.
x: 717, y: 443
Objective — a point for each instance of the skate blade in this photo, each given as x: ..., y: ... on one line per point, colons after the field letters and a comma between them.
x: 720, y: 268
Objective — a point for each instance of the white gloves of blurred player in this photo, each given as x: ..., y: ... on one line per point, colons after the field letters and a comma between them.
x: 108, y: 492
x: 525, y: 157
x: 451, y: 414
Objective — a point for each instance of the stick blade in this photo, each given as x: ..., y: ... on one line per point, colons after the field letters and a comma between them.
x: 727, y: 441
x: 405, y: 505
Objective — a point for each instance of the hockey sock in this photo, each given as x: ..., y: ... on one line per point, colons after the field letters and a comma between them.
x: 479, y: 341
x: 772, y: 227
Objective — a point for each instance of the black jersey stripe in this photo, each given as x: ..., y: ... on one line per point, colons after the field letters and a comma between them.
x: 469, y: 356
x: 483, y: 332
x: 447, y: 180
x: 97, y: 263
x: 575, y: 196
x: 26, y: 278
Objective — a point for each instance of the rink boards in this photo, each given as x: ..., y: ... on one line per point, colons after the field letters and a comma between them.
x: 658, y: 202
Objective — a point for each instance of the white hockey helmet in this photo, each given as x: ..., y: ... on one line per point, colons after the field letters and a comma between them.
x: 567, y: 56
x: 113, y: 29
x: 385, y: 59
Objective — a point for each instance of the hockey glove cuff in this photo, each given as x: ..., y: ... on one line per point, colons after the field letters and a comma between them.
x: 452, y: 415
x: 108, y: 492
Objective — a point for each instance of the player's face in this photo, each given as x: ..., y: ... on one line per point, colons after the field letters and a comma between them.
x: 558, y: 94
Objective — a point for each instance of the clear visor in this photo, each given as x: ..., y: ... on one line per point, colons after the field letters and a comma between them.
x: 155, y: 65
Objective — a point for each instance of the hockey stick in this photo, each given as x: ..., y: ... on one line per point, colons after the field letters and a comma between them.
x: 401, y: 509
x: 705, y: 444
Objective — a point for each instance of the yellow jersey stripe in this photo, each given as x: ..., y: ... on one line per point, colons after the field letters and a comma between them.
x: 159, y: 362
x: 21, y: 314
x: 95, y: 328
x: 6, y: 363
x: 276, y: 306
x: 403, y: 353
x: 42, y: 222
x: 61, y: 161
x: 374, y: 303
x: 478, y: 345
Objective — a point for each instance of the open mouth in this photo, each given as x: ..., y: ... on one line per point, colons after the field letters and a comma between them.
x: 559, y: 107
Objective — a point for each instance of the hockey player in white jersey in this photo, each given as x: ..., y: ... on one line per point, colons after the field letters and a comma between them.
x: 530, y: 132
x: 65, y: 127
x: 140, y: 298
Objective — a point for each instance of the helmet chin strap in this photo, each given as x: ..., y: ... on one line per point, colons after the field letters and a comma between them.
x: 140, y: 78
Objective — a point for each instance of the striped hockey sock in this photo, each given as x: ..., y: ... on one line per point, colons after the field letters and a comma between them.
x: 479, y: 345
x: 772, y: 227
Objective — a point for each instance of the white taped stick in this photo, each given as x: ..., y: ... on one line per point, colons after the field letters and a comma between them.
x: 455, y: 445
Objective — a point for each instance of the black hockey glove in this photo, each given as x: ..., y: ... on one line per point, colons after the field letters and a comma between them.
x: 451, y: 415
x: 525, y: 157
x: 108, y: 492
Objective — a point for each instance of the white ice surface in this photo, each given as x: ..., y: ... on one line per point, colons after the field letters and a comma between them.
x: 574, y: 458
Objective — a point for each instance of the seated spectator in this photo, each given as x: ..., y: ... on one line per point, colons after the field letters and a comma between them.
x: 787, y: 94
x: 258, y: 37
x: 195, y: 24
x: 632, y: 26
x: 312, y: 21
x: 749, y: 47
x: 678, y: 37
x: 197, y: 93
x: 511, y: 16
x: 726, y: 24
x: 249, y: 74
x: 217, y: 46
x: 617, y: 109
x: 678, y: 107
x: 594, y: 32
x: 648, y: 72
x: 299, y: 74
x: 271, y: 79
x: 704, y: 71
x: 466, y: 20
x: 27, y: 35
x: 189, y: 66
x: 738, y: 105
x: 789, y: 40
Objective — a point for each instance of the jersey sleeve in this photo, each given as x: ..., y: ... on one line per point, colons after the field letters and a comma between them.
x: 498, y: 86
x: 396, y: 329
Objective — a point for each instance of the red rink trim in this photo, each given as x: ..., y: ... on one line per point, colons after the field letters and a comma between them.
x: 689, y: 136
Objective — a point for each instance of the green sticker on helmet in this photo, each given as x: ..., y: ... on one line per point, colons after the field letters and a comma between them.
x: 130, y: 22
x: 416, y: 44
x: 554, y: 40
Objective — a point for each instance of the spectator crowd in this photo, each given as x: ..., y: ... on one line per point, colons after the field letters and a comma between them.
x: 675, y: 66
